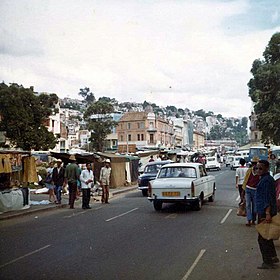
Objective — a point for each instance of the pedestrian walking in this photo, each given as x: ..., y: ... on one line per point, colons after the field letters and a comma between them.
x: 49, y: 182
x: 86, y: 179
x: 71, y: 176
x: 239, y: 179
x: 266, y: 209
x: 58, y: 180
x: 151, y: 158
x: 272, y: 164
x: 105, y: 177
x: 249, y: 185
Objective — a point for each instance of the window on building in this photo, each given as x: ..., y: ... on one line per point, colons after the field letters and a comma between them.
x: 142, y: 125
x: 142, y: 137
x: 151, y: 138
x: 121, y: 137
x: 128, y: 125
x: 129, y: 137
x: 138, y: 137
x: 52, y: 123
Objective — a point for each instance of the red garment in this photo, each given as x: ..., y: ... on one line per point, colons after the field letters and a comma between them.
x: 253, y: 180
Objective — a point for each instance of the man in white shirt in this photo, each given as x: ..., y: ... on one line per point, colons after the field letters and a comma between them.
x: 86, y: 179
x: 105, y: 177
x: 239, y: 178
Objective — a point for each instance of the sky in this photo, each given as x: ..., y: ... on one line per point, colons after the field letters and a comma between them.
x: 194, y: 54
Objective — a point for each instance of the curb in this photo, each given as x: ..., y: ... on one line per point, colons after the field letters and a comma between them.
x: 29, y: 211
x: 128, y: 189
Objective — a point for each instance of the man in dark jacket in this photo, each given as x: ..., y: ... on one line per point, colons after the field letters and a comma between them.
x: 58, y: 180
x: 71, y: 176
x: 266, y: 209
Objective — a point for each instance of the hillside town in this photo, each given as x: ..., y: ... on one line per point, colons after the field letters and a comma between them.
x: 140, y: 128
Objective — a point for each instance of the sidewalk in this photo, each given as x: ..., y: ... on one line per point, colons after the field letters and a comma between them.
x: 64, y: 203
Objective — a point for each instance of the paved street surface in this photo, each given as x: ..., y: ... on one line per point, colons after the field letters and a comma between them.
x: 128, y: 239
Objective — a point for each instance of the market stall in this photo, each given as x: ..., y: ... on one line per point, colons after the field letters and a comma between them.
x: 17, y: 171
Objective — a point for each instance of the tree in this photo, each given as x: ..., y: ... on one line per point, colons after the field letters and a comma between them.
x: 99, y: 123
x: 216, y: 133
x: 87, y: 95
x: 264, y: 90
x: 23, y: 117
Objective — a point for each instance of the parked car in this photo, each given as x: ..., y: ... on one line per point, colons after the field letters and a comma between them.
x: 229, y: 159
x: 244, y: 154
x: 186, y: 183
x: 150, y: 172
x: 235, y: 162
x: 212, y: 163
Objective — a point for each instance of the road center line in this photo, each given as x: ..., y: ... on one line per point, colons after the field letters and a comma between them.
x: 24, y: 256
x: 226, y: 216
x: 238, y: 197
x: 122, y: 214
x: 194, y: 264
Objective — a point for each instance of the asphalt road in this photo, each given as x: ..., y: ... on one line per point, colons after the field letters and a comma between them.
x: 128, y: 239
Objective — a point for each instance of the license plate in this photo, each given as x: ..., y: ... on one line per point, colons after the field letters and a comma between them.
x: 171, y: 194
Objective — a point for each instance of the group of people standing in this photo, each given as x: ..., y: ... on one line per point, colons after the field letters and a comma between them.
x: 58, y: 177
x: 257, y: 191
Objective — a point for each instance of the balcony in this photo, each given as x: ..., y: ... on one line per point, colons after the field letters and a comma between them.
x: 151, y: 129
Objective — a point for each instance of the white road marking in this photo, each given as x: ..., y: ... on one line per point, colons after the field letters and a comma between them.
x: 226, y: 216
x: 238, y: 197
x: 24, y: 256
x: 108, y: 220
x: 194, y: 264
x: 171, y: 216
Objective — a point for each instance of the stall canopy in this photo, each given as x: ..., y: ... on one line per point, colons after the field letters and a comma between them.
x: 124, y: 168
x: 81, y: 158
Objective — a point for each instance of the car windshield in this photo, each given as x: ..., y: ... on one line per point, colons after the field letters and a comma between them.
x: 152, y: 168
x: 211, y: 159
x: 177, y: 172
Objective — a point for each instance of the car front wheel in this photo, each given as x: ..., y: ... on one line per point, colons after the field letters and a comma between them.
x: 157, y: 205
x: 198, y: 204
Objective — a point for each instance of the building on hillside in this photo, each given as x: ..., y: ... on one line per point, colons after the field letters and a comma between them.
x: 112, y: 139
x: 198, y: 139
x: 138, y: 130
x: 178, y: 124
x: 255, y: 133
x: 55, y: 125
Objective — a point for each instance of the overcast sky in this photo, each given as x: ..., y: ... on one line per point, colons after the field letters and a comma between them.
x: 187, y: 53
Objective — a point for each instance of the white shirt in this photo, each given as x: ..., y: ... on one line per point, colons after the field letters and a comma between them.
x: 84, y: 177
x: 240, y: 173
x: 105, y: 174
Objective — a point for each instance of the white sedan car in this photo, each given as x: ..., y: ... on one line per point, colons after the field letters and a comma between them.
x: 184, y: 183
x: 212, y: 163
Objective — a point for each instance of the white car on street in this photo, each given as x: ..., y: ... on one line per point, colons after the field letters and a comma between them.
x: 212, y: 163
x: 235, y: 162
x: 186, y: 183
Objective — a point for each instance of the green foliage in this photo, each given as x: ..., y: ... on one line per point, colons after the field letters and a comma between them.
x: 264, y: 90
x: 99, y: 123
x: 203, y: 114
x: 216, y: 133
x: 87, y: 95
x: 24, y: 115
x: 113, y: 101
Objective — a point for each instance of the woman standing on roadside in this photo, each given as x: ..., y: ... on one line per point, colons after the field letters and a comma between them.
x: 49, y: 182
